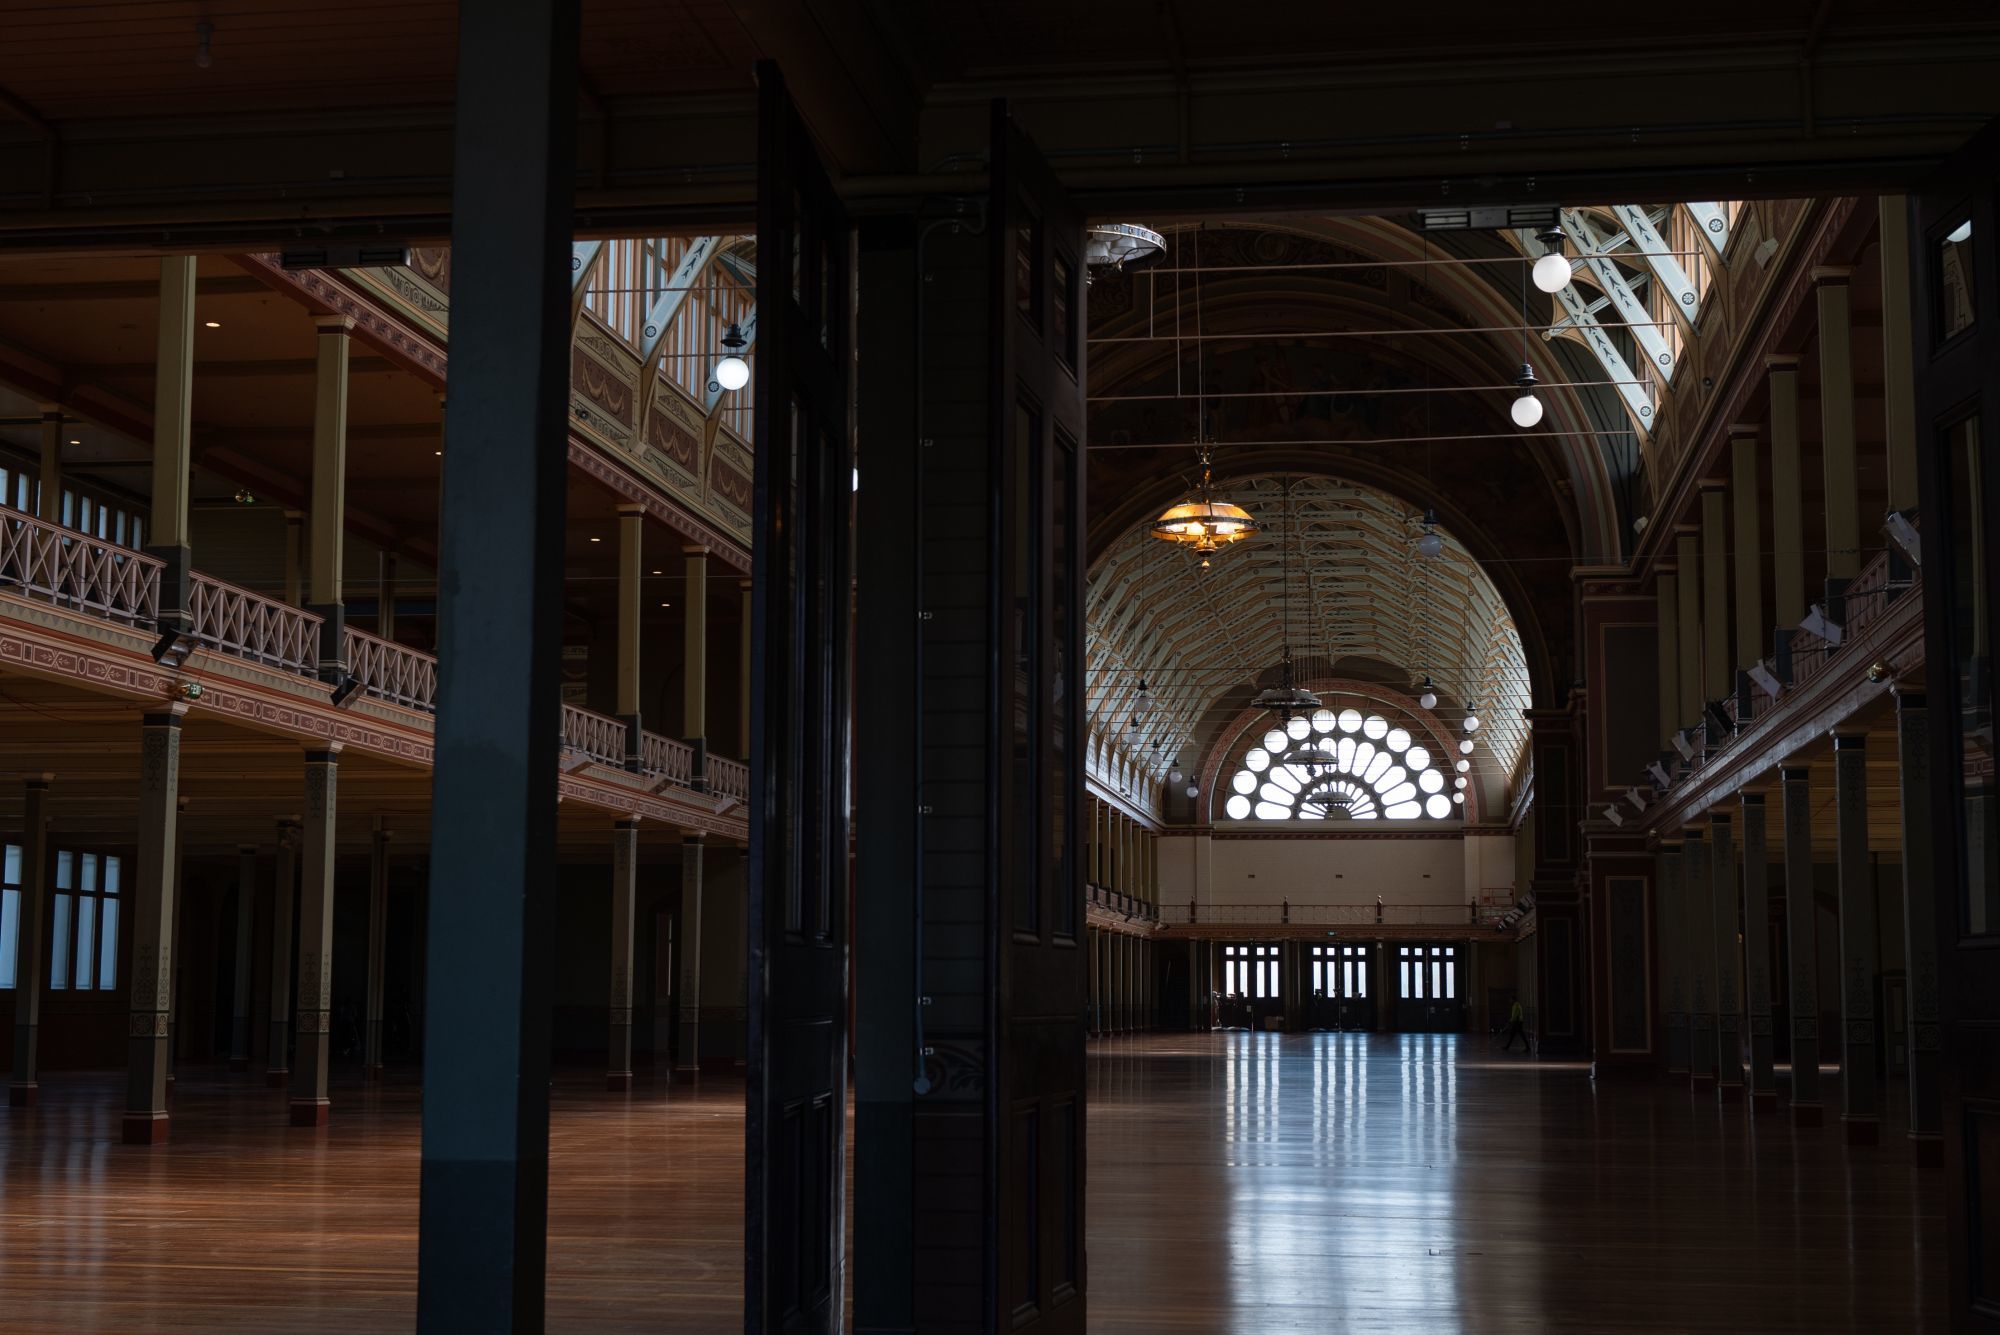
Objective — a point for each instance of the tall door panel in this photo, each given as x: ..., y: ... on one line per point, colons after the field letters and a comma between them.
x: 1036, y: 246
x: 799, y: 735
x: 1955, y: 248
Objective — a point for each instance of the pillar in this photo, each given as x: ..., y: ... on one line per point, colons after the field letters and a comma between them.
x: 385, y: 596
x: 157, y: 886
x: 1860, y: 949
x: 1920, y: 909
x: 295, y: 556
x: 239, y: 1007
x: 1899, y: 400
x: 1671, y: 916
x: 694, y: 662
x: 483, y: 1227
x: 688, y: 1058
x: 49, y: 497
x: 1836, y: 432
x: 29, y: 964
x: 631, y: 624
x: 743, y: 669
x: 1718, y: 673
x: 1699, y: 931
x: 315, y: 999
x: 328, y: 517
x: 1801, y: 943
x: 378, y: 933
x: 1757, y: 952
x: 173, y: 428
x: 1723, y: 901
x: 624, y: 898
x: 1688, y: 560
x: 1788, y: 541
x: 1666, y: 615
x: 1751, y: 632
x: 278, y: 1069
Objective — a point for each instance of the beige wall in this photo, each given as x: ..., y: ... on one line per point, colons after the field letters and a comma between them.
x: 1450, y: 870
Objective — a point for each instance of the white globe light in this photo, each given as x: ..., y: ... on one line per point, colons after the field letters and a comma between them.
x: 1465, y: 747
x: 1552, y: 272
x: 732, y: 372
x: 1193, y: 790
x: 1458, y: 798
x: 1472, y: 723
x: 1527, y: 410
x: 1430, y: 544
x: 1173, y: 776
x: 1459, y: 783
x: 1428, y: 699
x: 1463, y: 766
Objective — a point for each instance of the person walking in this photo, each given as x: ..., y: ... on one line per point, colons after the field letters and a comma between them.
x: 1517, y: 1026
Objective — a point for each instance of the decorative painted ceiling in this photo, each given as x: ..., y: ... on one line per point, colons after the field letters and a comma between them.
x: 1336, y: 575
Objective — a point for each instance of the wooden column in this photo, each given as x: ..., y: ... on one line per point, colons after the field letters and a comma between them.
x: 152, y: 926
x: 239, y: 1001
x: 1725, y: 901
x: 328, y: 517
x: 173, y: 432
x: 482, y: 1243
x: 631, y: 624
x: 624, y: 898
x: 30, y: 965
x: 1920, y: 910
x: 743, y: 669
x: 1801, y: 943
x: 1836, y: 416
x: 1860, y: 948
x: 1671, y: 917
x: 378, y: 933
x: 295, y: 556
x: 1899, y: 400
x: 1788, y: 542
x: 1751, y: 631
x: 278, y: 1069
x: 1687, y: 553
x: 314, y: 1012
x: 1757, y: 952
x: 48, y: 497
x: 1666, y: 615
x: 694, y: 662
x: 1696, y: 872
x: 385, y: 595
x: 688, y: 1058
x: 1718, y: 676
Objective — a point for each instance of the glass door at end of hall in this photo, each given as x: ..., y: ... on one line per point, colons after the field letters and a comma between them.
x: 1342, y: 995
x: 1427, y: 991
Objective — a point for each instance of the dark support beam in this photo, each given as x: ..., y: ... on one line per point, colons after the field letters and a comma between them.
x: 482, y: 1244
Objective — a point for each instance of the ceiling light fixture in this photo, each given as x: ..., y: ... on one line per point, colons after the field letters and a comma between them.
x: 1174, y: 770
x: 213, y: 324
x: 1551, y: 271
x: 1142, y: 703
x: 1429, y: 698
x: 732, y: 372
x: 1526, y: 409
x: 1465, y: 746
x: 1471, y: 722
x: 1430, y: 544
x: 1203, y: 522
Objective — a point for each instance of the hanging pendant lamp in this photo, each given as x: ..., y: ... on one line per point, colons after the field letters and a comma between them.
x: 1203, y: 522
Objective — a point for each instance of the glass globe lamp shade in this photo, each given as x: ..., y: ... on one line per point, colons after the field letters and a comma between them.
x: 1472, y: 723
x: 1194, y: 790
x: 1551, y: 272
x: 1430, y: 544
x: 1458, y: 798
x: 732, y: 372
x: 1459, y: 783
x: 1462, y: 766
x: 1465, y: 747
x: 1174, y: 775
x: 1526, y: 410
x: 1428, y: 699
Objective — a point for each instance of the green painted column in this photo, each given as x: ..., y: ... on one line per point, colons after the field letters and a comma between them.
x: 1700, y: 933
x: 314, y: 1014
x: 1670, y: 917
x: 1860, y: 945
x: 1757, y: 953
x: 1725, y: 901
x: 1801, y: 943
x: 277, y: 1065
x: 157, y: 888
x: 624, y: 900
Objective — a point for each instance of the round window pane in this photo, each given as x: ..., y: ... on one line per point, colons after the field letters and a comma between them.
x: 1257, y: 760
x: 1437, y: 808
x: 1345, y: 755
x: 1350, y: 720
x: 1274, y: 740
x: 1376, y: 726
x: 1324, y: 720
x: 1244, y: 782
x: 1238, y: 807
x: 1298, y: 728
x: 1399, y: 740
x: 1429, y: 780
x: 1417, y: 758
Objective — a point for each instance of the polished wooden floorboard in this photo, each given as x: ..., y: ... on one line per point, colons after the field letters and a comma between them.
x: 1318, y: 1182
x: 1238, y: 1183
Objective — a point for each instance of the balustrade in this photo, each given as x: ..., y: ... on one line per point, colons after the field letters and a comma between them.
x: 1334, y: 915
x: 249, y: 625
x: 388, y: 671
x: 599, y: 737
x: 729, y: 778
x: 665, y: 758
x: 71, y: 570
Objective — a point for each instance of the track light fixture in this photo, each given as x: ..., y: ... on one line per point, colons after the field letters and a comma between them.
x: 1817, y: 622
x: 1904, y: 534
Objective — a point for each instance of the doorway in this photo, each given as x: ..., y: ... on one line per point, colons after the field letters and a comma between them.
x: 1427, y: 992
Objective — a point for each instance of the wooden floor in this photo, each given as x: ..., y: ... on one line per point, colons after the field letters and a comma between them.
x: 1238, y: 1183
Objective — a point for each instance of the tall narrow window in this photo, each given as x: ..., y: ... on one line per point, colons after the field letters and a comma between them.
x: 10, y: 915
x: 64, y: 906
x: 84, y: 944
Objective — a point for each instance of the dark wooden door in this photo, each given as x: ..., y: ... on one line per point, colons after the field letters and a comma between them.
x: 799, y: 735
x: 1955, y: 280
x: 1036, y: 248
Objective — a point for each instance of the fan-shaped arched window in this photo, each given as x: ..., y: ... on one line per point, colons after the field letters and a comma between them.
x: 1344, y: 766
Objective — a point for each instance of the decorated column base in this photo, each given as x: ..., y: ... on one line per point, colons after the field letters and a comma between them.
x: 145, y: 1128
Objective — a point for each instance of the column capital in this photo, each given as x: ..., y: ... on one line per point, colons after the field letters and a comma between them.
x: 328, y: 754
x: 1826, y: 275
x: 1719, y: 819
x: 631, y: 510
x: 694, y: 549
x: 169, y: 717
x: 295, y: 516
x: 1850, y: 741
x: 624, y: 823
x: 334, y: 324
x: 695, y: 837
x: 1740, y: 430
x: 1782, y: 363
x: 1691, y: 834
x: 1794, y: 774
x: 1753, y: 799
x: 1910, y: 698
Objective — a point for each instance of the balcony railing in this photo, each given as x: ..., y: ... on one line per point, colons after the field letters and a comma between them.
x: 664, y: 758
x: 249, y: 625
x: 74, y: 571
x: 595, y: 735
x: 1368, y: 914
x: 1117, y: 901
x: 388, y: 671
x: 729, y: 778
